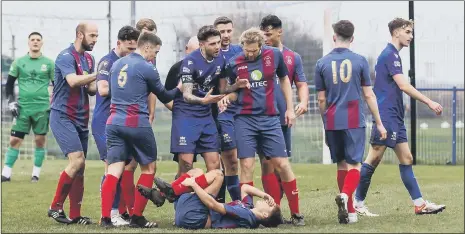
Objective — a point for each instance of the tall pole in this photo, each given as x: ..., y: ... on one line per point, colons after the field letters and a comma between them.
x: 413, y: 104
x: 133, y: 13
x: 13, y: 48
x: 109, y: 25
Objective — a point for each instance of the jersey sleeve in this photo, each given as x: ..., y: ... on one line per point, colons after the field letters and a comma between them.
x: 155, y: 86
x: 366, y: 80
x: 299, y: 75
x: 187, y: 71
x: 224, y: 70
x: 66, y: 64
x: 393, y: 64
x: 235, y: 211
x: 103, y: 70
x: 281, y: 70
x: 319, y: 79
x: 172, y: 78
x: 51, y: 72
x: 14, y: 69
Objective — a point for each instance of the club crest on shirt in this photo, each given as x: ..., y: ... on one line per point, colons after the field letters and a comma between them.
x: 289, y: 60
x: 267, y: 61
x: 43, y: 67
x: 218, y: 70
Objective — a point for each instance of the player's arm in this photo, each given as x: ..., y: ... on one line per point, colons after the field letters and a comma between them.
x: 187, y: 78
x: 51, y: 75
x: 152, y: 102
x: 225, y: 87
x: 407, y: 88
x: 103, y: 75
x: 248, y: 190
x: 302, y: 87
x: 206, y: 199
x: 321, y: 89
x: 10, y: 83
x: 156, y: 87
x: 370, y: 98
x: 68, y: 70
x: 286, y: 88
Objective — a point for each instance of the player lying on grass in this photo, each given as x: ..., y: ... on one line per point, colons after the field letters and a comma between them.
x: 199, y: 209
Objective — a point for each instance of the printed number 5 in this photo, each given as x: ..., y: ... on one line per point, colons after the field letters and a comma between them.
x: 342, y: 74
x: 123, y: 76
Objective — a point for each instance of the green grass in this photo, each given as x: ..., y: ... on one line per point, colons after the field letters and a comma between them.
x: 24, y: 205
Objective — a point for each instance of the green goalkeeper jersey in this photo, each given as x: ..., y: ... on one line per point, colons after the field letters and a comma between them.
x: 34, y: 76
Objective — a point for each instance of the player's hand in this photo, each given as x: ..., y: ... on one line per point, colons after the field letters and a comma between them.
x: 289, y: 117
x: 382, y: 131
x: 301, y: 109
x: 435, y: 107
x: 223, y: 104
x: 269, y: 199
x: 179, y: 86
x: 13, y: 107
x: 189, y: 182
x: 151, y: 118
x: 209, y: 98
x: 242, y: 83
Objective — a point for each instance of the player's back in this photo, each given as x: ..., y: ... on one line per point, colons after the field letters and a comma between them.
x: 102, y: 104
x: 342, y: 73
x: 388, y: 93
x: 129, y: 91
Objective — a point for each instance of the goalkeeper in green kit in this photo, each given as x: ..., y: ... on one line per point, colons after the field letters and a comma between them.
x: 34, y: 73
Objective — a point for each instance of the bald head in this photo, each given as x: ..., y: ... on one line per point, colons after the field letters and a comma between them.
x: 86, y: 35
x: 192, y: 44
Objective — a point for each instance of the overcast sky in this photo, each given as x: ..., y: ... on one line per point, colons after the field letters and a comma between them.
x: 438, y: 25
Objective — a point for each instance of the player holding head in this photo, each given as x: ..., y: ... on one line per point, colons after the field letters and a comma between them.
x: 69, y: 117
x: 389, y: 85
x: 257, y: 122
x: 128, y: 129
x: 271, y: 27
x: 225, y: 119
x: 34, y: 73
x: 200, y: 210
x: 127, y: 43
x: 193, y: 129
x: 340, y: 79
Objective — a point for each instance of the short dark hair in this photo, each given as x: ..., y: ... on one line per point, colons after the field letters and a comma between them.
x: 150, y: 38
x: 128, y: 33
x: 399, y: 23
x: 271, y: 20
x: 35, y: 33
x: 146, y: 23
x: 344, y: 29
x: 222, y: 20
x: 274, y: 219
x: 206, y: 32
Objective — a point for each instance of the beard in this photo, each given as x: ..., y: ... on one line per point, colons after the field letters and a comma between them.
x: 86, y: 45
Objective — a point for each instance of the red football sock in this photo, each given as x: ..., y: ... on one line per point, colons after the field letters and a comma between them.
x: 341, y: 176
x: 122, y: 204
x: 292, y: 194
x: 180, y: 189
x: 75, y: 197
x: 271, y: 186
x: 350, y: 184
x: 108, y: 194
x: 62, y: 191
x: 140, y: 201
x: 128, y: 190
x: 180, y: 179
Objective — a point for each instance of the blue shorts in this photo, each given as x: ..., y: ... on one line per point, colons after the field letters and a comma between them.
x: 101, y: 142
x: 396, y: 134
x: 123, y: 143
x: 69, y: 136
x: 259, y: 132
x: 347, y: 144
x: 190, y: 212
x: 227, y: 135
x: 194, y: 135
x: 287, y: 138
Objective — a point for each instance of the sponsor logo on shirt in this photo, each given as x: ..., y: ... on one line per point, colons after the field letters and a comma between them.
x: 396, y: 64
x: 242, y: 67
x: 256, y: 75
x: 186, y: 70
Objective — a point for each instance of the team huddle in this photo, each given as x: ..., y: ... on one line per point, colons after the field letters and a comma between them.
x: 228, y: 102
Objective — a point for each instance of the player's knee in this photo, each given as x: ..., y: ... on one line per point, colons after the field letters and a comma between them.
x: 233, y: 167
x: 407, y: 159
x: 40, y: 141
x: 185, y: 166
x: 267, y: 167
x: 15, y: 142
x: 281, y: 164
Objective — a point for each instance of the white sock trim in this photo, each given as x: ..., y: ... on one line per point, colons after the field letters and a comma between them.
x: 36, y: 171
x: 6, y: 171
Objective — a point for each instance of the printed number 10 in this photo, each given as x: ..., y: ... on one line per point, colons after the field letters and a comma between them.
x: 342, y: 74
